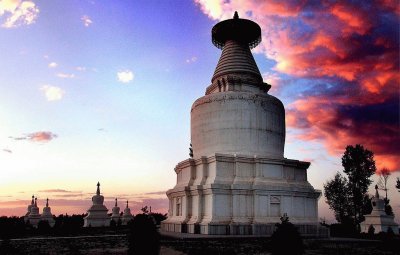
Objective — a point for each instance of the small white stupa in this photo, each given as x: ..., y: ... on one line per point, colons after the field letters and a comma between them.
x: 115, y: 212
x: 127, y: 216
x: 378, y: 219
x: 97, y: 213
x: 34, y: 216
x: 47, y: 215
x: 29, y: 209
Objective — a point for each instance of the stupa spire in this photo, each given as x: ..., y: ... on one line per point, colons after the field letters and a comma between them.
x: 126, y: 203
x: 35, y: 201
x: 33, y: 198
x: 236, y: 15
x: 47, y: 202
x: 376, y: 191
x: 98, y: 188
x: 116, y: 201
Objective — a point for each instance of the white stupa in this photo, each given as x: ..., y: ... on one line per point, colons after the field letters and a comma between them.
x: 97, y: 213
x: 47, y: 215
x: 237, y: 180
x: 115, y: 212
x: 127, y: 216
x: 34, y: 216
x: 378, y: 218
x: 29, y: 209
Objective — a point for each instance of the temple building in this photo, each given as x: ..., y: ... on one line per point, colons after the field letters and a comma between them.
x: 237, y: 180
x: 127, y: 215
x: 47, y: 215
x: 97, y: 213
x: 115, y: 212
x: 378, y: 219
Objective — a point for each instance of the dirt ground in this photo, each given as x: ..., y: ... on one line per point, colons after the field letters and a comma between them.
x: 118, y: 244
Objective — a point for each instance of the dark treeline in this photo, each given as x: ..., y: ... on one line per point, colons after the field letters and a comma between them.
x: 65, y: 225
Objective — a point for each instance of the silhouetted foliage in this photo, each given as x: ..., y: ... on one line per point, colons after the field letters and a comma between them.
x: 337, y: 196
x: 398, y: 184
x: 344, y: 229
x: 158, y: 217
x: 11, y: 227
x: 371, y: 230
x: 348, y: 197
x: 68, y: 225
x: 113, y: 224
x: 143, y: 237
x: 359, y: 165
x: 44, y: 227
x: 286, y: 239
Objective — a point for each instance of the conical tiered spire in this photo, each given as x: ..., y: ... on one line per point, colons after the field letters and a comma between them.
x: 236, y: 66
x: 236, y: 59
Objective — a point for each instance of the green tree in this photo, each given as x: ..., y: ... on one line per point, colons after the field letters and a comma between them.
x: 359, y: 165
x: 337, y: 196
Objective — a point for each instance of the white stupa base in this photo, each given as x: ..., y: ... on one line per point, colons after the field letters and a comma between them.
x: 241, y: 195
x: 96, y: 222
x: 381, y: 223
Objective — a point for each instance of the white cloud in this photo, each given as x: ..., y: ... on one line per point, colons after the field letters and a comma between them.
x: 52, y: 93
x: 125, y: 76
x: 86, y: 20
x: 66, y: 75
x: 18, y: 12
x: 81, y: 68
x: 191, y: 60
x: 53, y: 64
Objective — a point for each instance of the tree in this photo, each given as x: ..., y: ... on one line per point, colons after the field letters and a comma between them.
x: 384, y: 175
x: 336, y: 193
x: 359, y: 165
x: 398, y: 184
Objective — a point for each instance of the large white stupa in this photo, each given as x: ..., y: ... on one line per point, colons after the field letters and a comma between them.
x: 238, y: 180
x: 97, y: 213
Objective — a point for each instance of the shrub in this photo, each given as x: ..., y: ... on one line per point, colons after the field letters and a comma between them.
x: 371, y: 230
x: 143, y: 236
x: 286, y: 239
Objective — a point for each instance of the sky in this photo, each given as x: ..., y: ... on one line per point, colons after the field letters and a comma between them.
x: 97, y: 91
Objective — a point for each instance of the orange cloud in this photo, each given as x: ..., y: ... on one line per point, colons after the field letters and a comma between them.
x: 41, y: 136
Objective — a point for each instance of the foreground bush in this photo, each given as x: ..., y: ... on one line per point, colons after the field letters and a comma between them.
x: 143, y: 236
x: 286, y: 239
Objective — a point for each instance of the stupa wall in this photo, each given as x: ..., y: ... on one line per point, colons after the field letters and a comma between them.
x: 225, y: 190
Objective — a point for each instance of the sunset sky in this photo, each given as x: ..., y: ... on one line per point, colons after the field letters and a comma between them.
x: 94, y: 90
